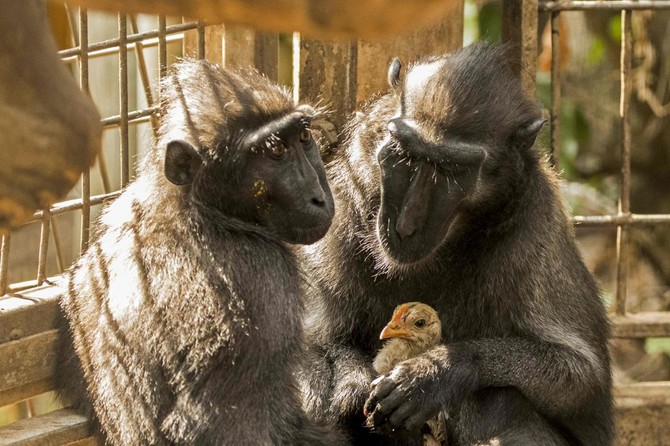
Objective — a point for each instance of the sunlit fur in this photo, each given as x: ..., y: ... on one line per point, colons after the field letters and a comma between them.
x: 187, y: 320
x: 525, y: 333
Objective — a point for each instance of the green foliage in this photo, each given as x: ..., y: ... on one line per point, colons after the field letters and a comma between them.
x: 596, y: 52
x: 614, y: 28
x: 490, y: 22
x: 657, y: 345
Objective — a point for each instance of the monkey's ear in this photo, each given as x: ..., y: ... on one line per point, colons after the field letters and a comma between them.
x: 393, y: 75
x: 526, y: 134
x: 182, y: 162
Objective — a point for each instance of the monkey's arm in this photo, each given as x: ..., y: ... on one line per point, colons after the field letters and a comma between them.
x: 352, y: 375
x: 556, y: 379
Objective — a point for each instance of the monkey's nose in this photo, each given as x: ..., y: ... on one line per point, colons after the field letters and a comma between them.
x: 405, y: 227
x: 318, y: 198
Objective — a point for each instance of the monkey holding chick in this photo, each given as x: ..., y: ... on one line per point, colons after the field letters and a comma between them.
x: 441, y: 193
x: 186, y: 313
x: 414, y: 329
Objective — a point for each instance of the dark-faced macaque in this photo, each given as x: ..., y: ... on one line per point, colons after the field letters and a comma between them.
x: 186, y: 313
x: 441, y: 194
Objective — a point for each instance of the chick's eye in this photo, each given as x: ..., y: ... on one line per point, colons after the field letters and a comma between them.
x: 420, y: 323
x: 278, y: 150
x: 305, y: 135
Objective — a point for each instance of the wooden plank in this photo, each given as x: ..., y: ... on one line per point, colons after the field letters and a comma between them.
x: 520, y: 28
x: 244, y: 47
x: 374, y: 57
x: 27, y: 318
x: 27, y: 366
x: 334, y: 18
x: 55, y: 428
x: 643, y: 393
x: 213, y: 43
x: 90, y: 441
x: 641, y: 325
x: 326, y: 74
x: 642, y: 412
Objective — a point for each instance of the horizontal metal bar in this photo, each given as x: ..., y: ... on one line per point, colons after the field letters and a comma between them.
x: 620, y: 220
x: 132, y: 38
x: 74, y: 205
x: 641, y: 325
x: 132, y: 116
x: 552, y: 6
x: 148, y: 43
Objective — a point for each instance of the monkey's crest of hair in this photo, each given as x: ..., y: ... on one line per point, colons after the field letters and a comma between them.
x: 202, y: 103
x: 475, y: 90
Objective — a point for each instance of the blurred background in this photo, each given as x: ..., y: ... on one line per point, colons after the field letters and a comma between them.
x: 590, y: 147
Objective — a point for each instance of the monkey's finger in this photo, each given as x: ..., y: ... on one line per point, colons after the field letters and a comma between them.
x: 415, y: 421
x: 377, y: 380
x: 401, y: 414
x: 379, y: 392
x: 388, y: 406
x: 394, y: 400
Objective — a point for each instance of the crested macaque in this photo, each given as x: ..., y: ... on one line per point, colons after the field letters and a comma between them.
x: 186, y: 312
x: 441, y: 194
x: 414, y: 328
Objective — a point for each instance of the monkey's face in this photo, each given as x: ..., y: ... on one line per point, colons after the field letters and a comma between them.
x: 459, y: 136
x: 271, y: 176
x: 423, y: 183
x: 287, y: 181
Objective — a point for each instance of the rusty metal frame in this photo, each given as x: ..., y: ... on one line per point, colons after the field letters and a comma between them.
x: 628, y: 325
x: 81, y: 52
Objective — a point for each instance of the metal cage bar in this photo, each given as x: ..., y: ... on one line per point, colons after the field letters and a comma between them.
x: 123, y: 99
x: 86, y: 177
x: 201, y: 40
x: 623, y: 236
x: 4, y: 264
x: 555, y: 120
x: 44, y: 247
x: 616, y: 5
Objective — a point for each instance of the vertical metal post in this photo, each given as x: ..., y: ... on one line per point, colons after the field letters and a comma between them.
x: 201, y: 40
x: 162, y: 47
x: 555, y: 90
x: 44, y: 247
x: 60, y: 260
x: 624, y: 200
x: 144, y: 73
x: 123, y: 99
x: 86, y: 177
x: 4, y: 264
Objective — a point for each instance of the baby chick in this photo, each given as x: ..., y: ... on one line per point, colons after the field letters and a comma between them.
x: 414, y: 328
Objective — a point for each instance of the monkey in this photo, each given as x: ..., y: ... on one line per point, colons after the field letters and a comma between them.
x: 185, y: 313
x: 441, y: 193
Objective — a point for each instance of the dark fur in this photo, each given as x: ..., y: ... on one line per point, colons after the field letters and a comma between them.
x: 186, y: 312
x: 525, y: 356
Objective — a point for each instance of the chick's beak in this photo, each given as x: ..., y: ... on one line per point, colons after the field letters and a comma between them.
x: 393, y: 331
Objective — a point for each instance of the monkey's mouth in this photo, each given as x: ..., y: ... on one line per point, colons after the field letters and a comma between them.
x: 414, y: 219
x: 309, y: 228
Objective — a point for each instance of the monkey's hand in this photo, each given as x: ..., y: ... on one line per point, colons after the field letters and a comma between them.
x: 351, y: 388
x: 418, y: 388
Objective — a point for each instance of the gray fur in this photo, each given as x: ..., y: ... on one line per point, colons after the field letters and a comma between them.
x: 525, y: 358
x: 186, y: 313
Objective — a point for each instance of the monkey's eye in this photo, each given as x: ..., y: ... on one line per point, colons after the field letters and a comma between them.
x: 420, y: 323
x: 305, y: 135
x: 278, y: 150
